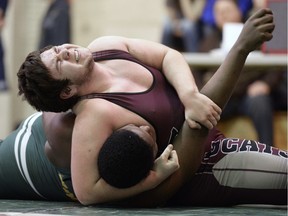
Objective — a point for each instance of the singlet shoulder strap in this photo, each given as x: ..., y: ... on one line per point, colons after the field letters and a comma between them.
x: 113, y: 54
x: 109, y: 55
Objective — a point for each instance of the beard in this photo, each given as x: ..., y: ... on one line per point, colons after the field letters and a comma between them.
x: 89, y: 64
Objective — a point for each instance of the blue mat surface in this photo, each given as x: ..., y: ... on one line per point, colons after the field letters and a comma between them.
x: 39, y: 208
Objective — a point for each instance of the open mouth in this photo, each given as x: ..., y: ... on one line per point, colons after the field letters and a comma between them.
x: 76, y: 55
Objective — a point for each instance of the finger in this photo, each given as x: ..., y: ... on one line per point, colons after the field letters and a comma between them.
x: 208, y: 124
x: 193, y: 124
x: 217, y: 116
x: 170, y: 146
x: 267, y: 18
x: 269, y: 27
x: 174, y: 158
x: 261, y: 13
x: 268, y: 36
x: 213, y: 121
x: 217, y: 109
x: 167, y: 151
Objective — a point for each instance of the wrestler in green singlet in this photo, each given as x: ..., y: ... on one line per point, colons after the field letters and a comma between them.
x: 25, y: 171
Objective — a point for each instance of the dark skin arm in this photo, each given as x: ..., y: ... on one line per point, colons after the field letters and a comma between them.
x: 58, y: 129
x: 189, y: 142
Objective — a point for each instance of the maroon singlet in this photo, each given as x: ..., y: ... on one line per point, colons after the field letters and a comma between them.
x: 159, y: 104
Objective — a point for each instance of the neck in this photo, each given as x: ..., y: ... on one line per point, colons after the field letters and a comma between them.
x: 98, y: 81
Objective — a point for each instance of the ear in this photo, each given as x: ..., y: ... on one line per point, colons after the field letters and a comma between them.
x: 68, y: 92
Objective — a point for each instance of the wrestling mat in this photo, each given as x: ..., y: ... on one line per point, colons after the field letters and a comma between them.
x: 40, y: 208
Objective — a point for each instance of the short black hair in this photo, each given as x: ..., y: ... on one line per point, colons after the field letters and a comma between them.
x: 125, y: 159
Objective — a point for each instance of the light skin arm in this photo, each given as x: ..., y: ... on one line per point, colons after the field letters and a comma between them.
x: 198, y: 107
x: 58, y: 129
x: 89, y: 187
x: 189, y: 142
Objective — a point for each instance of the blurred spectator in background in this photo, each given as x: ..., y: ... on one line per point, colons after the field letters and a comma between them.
x: 3, y: 7
x: 180, y: 27
x: 207, y: 23
x: 56, y: 24
x: 255, y: 94
x: 258, y: 4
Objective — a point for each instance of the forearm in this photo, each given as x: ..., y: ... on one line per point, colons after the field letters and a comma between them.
x: 259, y: 27
x: 104, y: 193
x: 189, y: 155
x: 219, y: 88
x: 199, y: 109
x: 221, y: 85
x: 178, y: 74
x: 165, y: 165
x: 189, y: 143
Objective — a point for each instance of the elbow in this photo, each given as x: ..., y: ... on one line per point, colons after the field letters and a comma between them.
x: 90, y: 194
x: 84, y: 200
x: 87, y: 199
x: 174, y: 52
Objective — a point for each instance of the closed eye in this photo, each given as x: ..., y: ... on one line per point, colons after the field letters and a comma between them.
x: 56, y: 50
x: 57, y: 60
x: 58, y: 65
x: 67, y: 55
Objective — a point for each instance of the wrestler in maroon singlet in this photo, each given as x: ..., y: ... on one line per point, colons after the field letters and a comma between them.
x: 228, y: 174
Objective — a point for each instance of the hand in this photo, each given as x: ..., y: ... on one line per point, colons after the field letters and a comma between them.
x: 256, y: 30
x: 199, y: 109
x: 166, y: 164
x: 258, y: 88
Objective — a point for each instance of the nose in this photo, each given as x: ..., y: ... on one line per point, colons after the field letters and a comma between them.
x: 63, y: 54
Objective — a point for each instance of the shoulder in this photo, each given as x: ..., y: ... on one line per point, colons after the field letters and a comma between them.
x: 108, y: 42
x: 58, y: 125
x: 94, y: 105
x: 97, y: 110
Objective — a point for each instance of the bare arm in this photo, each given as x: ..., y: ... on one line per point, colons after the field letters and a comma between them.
x: 198, y: 107
x: 189, y: 142
x: 58, y: 129
x: 93, y: 124
x: 257, y: 30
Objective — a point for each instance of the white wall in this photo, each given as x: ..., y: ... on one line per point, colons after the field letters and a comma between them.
x: 20, y: 36
x: 90, y: 19
x: 131, y: 18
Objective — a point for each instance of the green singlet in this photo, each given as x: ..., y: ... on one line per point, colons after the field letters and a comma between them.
x: 25, y: 171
